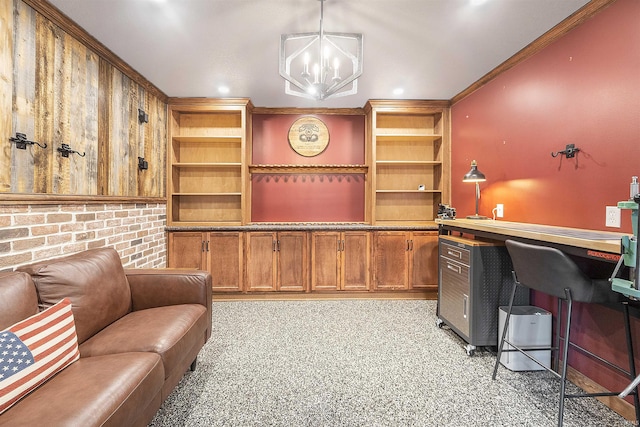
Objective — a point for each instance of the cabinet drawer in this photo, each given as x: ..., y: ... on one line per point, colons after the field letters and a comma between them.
x: 454, y: 272
x: 455, y: 252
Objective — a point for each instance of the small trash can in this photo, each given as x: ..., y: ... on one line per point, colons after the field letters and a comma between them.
x: 529, y: 327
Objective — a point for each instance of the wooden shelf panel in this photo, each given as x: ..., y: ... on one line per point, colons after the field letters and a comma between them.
x: 409, y: 191
x: 407, y: 177
x: 206, y: 194
x: 226, y: 136
x: 225, y: 180
x: 406, y: 135
x: 408, y: 123
x: 408, y: 162
x: 207, y: 165
x: 218, y: 151
x: 206, y: 208
x: 408, y: 150
x: 208, y: 124
x: 406, y: 206
x: 296, y: 169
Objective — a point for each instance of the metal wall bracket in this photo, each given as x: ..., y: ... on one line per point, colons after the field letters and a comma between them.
x: 65, y: 150
x: 142, y: 164
x: 569, y: 151
x: 21, y: 141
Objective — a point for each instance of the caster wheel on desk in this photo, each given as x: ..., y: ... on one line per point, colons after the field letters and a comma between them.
x: 439, y: 323
x: 470, y: 349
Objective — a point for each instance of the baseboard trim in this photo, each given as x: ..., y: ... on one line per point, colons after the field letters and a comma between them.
x: 621, y: 406
x: 338, y: 295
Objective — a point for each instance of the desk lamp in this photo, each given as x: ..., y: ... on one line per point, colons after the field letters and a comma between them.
x: 474, y: 175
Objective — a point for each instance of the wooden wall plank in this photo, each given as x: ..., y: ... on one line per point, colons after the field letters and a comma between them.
x: 24, y: 87
x: 6, y: 83
x: 105, y: 91
x: 151, y: 181
x: 120, y: 118
x: 61, y: 114
x: 44, y: 106
x: 62, y: 92
x: 130, y: 186
x: 83, y: 109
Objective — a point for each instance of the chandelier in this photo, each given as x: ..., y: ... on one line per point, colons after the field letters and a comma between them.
x: 321, y: 65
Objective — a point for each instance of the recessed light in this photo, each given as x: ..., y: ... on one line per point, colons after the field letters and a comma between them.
x: 398, y: 91
x: 223, y: 90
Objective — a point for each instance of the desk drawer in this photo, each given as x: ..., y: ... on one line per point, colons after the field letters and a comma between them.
x: 455, y: 290
x: 455, y: 253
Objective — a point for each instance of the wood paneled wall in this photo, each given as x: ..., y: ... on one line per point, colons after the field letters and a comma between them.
x: 57, y: 90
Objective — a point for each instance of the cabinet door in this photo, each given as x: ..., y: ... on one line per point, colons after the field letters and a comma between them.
x: 424, y: 260
x: 187, y: 250
x: 226, y: 260
x: 355, y: 260
x: 391, y: 255
x: 292, y: 261
x: 325, y: 261
x: 260, y: 268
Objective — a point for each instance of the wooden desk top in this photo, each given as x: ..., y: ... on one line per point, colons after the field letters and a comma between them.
x: 603, y: 241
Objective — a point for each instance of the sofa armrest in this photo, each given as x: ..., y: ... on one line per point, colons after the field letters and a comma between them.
x: 157, y: 287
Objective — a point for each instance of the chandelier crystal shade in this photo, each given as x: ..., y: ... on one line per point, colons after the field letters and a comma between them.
x: 321, y: 65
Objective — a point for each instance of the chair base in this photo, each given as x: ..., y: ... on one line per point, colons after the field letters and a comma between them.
x: 561, y: 372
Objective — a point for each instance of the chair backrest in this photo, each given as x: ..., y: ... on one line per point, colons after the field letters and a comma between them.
x: 550, y: 271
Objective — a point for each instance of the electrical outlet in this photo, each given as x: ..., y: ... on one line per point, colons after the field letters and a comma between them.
x: 613, y: 217
x: 499, y: 210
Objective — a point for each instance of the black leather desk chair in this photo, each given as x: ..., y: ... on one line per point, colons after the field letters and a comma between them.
x: 552, y: 272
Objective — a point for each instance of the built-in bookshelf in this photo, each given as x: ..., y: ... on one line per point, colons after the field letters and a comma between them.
x: 409, y: 160
x: 206, y: 178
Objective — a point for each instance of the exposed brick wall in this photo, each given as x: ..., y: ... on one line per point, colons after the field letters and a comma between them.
x: 31, y: 233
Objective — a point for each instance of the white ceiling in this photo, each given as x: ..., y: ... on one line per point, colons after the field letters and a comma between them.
x: 434, y: 49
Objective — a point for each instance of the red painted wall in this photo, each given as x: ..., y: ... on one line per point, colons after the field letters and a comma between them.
x: 583, y: 89
x: 308, y: 197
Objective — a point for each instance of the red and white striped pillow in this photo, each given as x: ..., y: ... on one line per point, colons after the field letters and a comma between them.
x: 35, y: 349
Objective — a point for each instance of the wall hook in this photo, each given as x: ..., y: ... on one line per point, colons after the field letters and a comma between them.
x: 142, y: 116
x: 569, y: 151
x: 142, y: 164
x: 21, y: 141
x: 65, y: 150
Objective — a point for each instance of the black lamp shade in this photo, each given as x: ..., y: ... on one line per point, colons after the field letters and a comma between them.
x: 474, y: 175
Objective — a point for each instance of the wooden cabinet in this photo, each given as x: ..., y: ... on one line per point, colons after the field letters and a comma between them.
x: 206, y: 156
x: 187, y: 250
x: 277, y: 261
x: 340, y: 261
x: 390, y: 170
x: 220, y: 253
x: 409, y: 155
x: 405, y: 260
x: 225, y: 252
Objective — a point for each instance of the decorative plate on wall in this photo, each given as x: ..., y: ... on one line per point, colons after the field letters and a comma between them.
x: 308, y: 136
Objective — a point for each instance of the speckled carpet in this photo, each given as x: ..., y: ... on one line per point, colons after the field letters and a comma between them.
x: 357, y: 363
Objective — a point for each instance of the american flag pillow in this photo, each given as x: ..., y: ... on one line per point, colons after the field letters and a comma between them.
x: 35, y: 349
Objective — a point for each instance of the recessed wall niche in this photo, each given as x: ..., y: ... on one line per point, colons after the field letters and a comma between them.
x: 289, y: 188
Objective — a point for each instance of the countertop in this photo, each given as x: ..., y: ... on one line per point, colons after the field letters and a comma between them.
x: 595, y: 240
x: 310, y: 226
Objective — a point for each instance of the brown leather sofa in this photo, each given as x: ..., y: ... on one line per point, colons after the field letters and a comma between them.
x: 138, y: 332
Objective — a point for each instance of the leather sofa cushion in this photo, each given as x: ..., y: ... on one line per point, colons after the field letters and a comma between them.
x: 168, y: 331
x: 18, y: 298
x: 93, y: 280
x: 106, y: 390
